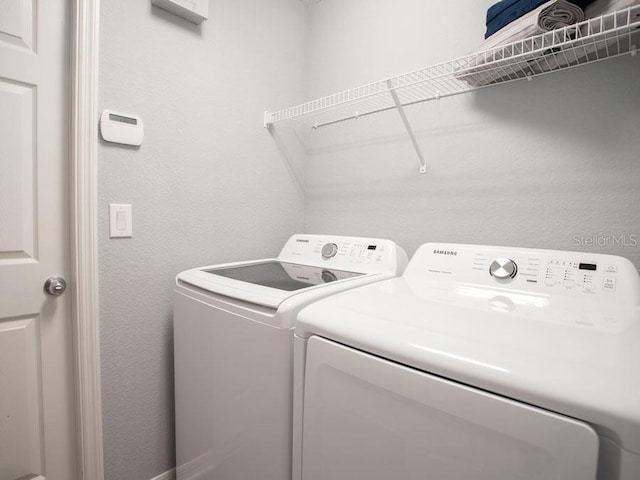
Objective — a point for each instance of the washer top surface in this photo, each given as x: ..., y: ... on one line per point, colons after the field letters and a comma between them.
x: 306, y: 264
x: 562, y: 332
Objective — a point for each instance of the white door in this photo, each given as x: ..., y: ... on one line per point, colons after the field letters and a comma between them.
x: 367, y: 418
x: 37, y: 432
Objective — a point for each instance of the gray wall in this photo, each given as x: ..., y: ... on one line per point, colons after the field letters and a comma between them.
x: 207, y: 186
x: 527, y: 164
x: 551, y: 163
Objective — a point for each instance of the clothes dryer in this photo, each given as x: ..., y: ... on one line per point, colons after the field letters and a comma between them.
x: 482, y: 363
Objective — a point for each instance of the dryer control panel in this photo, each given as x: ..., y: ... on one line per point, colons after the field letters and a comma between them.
x: 357, y: 254
x: 532, y: 270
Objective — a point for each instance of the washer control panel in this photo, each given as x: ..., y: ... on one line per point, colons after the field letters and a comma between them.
x: 539, y: 271
x: 366, y: 255
x: 353, y: 252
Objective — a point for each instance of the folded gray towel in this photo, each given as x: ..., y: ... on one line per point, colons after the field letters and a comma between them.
x: 559, y: 14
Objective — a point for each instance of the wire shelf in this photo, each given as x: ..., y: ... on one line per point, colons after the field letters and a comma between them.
x: 593, y: 40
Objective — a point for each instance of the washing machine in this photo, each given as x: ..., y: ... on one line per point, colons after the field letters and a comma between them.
x: 233, y: 331
x: 481, y: 363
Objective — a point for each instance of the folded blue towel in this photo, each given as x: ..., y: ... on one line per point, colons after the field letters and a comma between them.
x: 506, y: 11
x: 511, y: 8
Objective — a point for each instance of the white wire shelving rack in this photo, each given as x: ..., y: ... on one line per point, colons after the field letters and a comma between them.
x: 596, y: 39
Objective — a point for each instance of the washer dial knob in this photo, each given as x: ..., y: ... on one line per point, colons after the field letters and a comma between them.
x: 503, y: 269
x: 329, y: 250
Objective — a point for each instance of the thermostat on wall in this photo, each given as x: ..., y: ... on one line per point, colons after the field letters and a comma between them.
x: 193, y: 10
x: 121, y: 128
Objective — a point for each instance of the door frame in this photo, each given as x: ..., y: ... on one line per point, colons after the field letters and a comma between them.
x: 84, y: 41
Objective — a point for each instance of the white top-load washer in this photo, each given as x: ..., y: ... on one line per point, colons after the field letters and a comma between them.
x: 481, y: 363
x: 233, y: 330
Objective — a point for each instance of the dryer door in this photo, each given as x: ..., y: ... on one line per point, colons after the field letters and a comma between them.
x: 368, y: 418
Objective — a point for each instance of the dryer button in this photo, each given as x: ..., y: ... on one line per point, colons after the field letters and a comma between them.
x: 609, y: 284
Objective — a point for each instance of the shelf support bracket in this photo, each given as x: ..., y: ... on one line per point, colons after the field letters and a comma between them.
x: 268, y: 120
x: 407, y: 125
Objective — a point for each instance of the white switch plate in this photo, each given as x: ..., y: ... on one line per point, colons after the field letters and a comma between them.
x: 120, y: 220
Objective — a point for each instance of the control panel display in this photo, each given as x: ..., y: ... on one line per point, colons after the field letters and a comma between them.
x: 366, y: 255
x: 354, y: 253
x: 588, y: 266
x: 558, y: 273
x: 537, y: 271
x: 561, y: 274
x: 123, y: 119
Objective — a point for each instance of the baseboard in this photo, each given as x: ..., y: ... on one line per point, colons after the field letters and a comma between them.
x: 168, y: 475
x: 199, y: 467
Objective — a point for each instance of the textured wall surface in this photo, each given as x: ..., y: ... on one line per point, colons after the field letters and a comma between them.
x: 207, y: 186
x: 551, y: 163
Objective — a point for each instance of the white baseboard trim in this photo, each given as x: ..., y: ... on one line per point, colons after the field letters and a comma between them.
x: 168, y: 475
x: 199, y: 467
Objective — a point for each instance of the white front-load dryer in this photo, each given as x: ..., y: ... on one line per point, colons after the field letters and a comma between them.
x: 481, y: 363
x: 233, y: 330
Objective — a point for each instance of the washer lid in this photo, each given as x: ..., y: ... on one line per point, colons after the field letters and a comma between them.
x: 266, y: 282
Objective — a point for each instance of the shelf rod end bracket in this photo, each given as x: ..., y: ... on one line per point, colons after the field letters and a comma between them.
x: 407, y: 125
x: 268, y: 120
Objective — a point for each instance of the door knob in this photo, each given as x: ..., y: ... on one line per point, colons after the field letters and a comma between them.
x: 55, y: 286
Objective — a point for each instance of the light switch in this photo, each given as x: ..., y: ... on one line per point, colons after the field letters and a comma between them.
x: 120, y: 220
